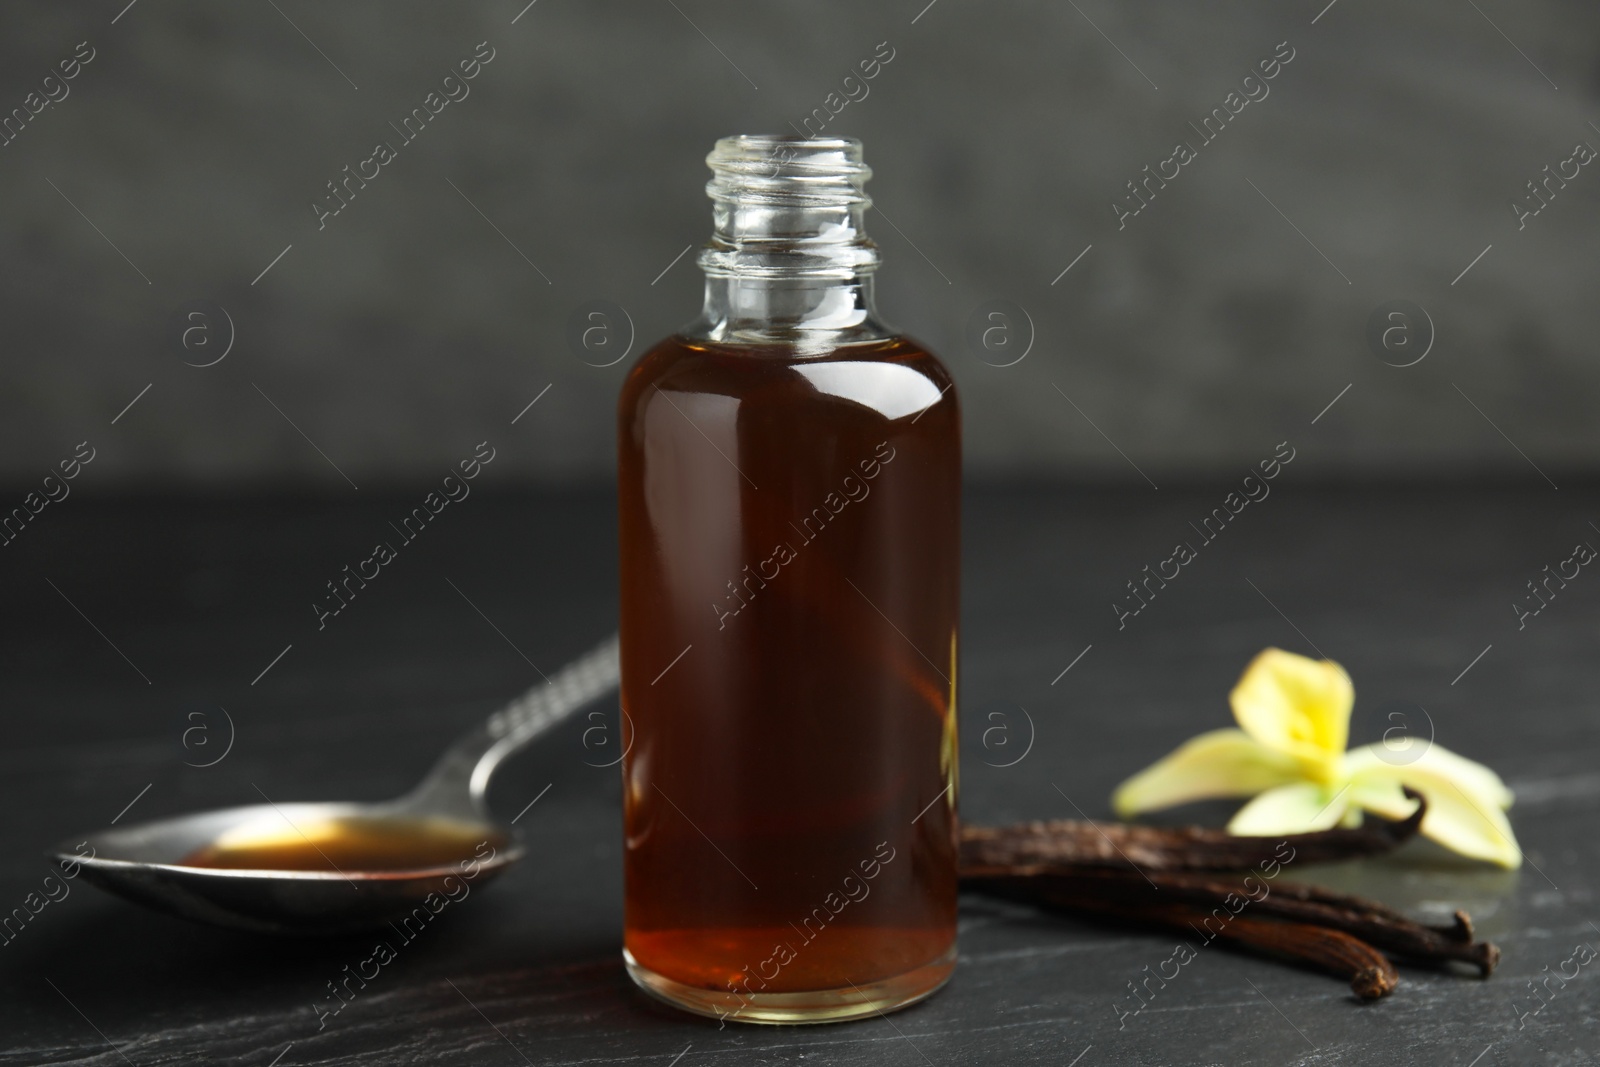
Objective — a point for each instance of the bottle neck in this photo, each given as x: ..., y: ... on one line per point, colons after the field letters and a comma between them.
x: 789, y: 262
x: 811, y: 315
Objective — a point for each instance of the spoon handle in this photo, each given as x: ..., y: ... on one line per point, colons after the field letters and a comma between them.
x: 460, y: 778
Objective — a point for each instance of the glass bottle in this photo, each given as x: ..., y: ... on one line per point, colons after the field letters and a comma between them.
x: 789, y: 500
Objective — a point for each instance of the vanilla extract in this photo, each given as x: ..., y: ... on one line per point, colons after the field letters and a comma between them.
x: 789, y: 507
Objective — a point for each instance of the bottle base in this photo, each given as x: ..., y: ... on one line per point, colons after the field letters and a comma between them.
x: 813, y: 1006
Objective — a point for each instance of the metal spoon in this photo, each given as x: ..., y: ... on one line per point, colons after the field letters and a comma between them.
x: 151, y: 863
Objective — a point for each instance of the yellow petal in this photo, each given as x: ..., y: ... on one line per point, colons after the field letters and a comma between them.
x: 1465, y: 799
x: 1222, y: 763
x: 1295, y: 704
x: 1467, y: 826
x: 1394, y: 759
x: 1291, y: 809
x: 1382, y: 797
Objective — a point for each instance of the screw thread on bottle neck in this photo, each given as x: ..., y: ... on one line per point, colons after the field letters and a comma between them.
x: 789, y: 259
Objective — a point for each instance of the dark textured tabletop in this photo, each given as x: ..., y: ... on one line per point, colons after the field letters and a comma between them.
x: 128, y: 624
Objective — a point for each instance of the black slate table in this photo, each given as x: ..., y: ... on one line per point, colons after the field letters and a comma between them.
x: 127, y: 624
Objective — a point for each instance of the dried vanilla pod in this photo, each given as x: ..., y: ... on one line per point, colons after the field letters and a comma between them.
x: 1223, y: 886
x: 1038, y: 847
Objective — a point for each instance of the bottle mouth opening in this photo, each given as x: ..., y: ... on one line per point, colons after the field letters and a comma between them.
x: 763, y: 141
x: 788, y: 170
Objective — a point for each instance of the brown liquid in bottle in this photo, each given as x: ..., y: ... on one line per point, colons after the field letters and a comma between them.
x: 790, y: 579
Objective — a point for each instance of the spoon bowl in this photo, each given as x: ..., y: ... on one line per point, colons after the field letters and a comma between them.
x: 155, y: 863
x: 328, y: 868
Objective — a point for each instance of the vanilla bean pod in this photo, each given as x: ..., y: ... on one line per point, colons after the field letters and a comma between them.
x: 1459, y: 929
x: 1223, y: 898
x: 1384, y: 927
x: 1197, y: 877
x: 1368, y: 971
x: 1046, y: 847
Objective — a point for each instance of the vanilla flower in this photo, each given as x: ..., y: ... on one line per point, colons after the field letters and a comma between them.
x: 1290, y: 757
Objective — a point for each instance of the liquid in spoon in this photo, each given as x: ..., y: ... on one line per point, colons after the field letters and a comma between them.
x: 346, y: 844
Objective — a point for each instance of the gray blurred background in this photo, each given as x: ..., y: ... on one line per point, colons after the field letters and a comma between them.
x: 429, y: 312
